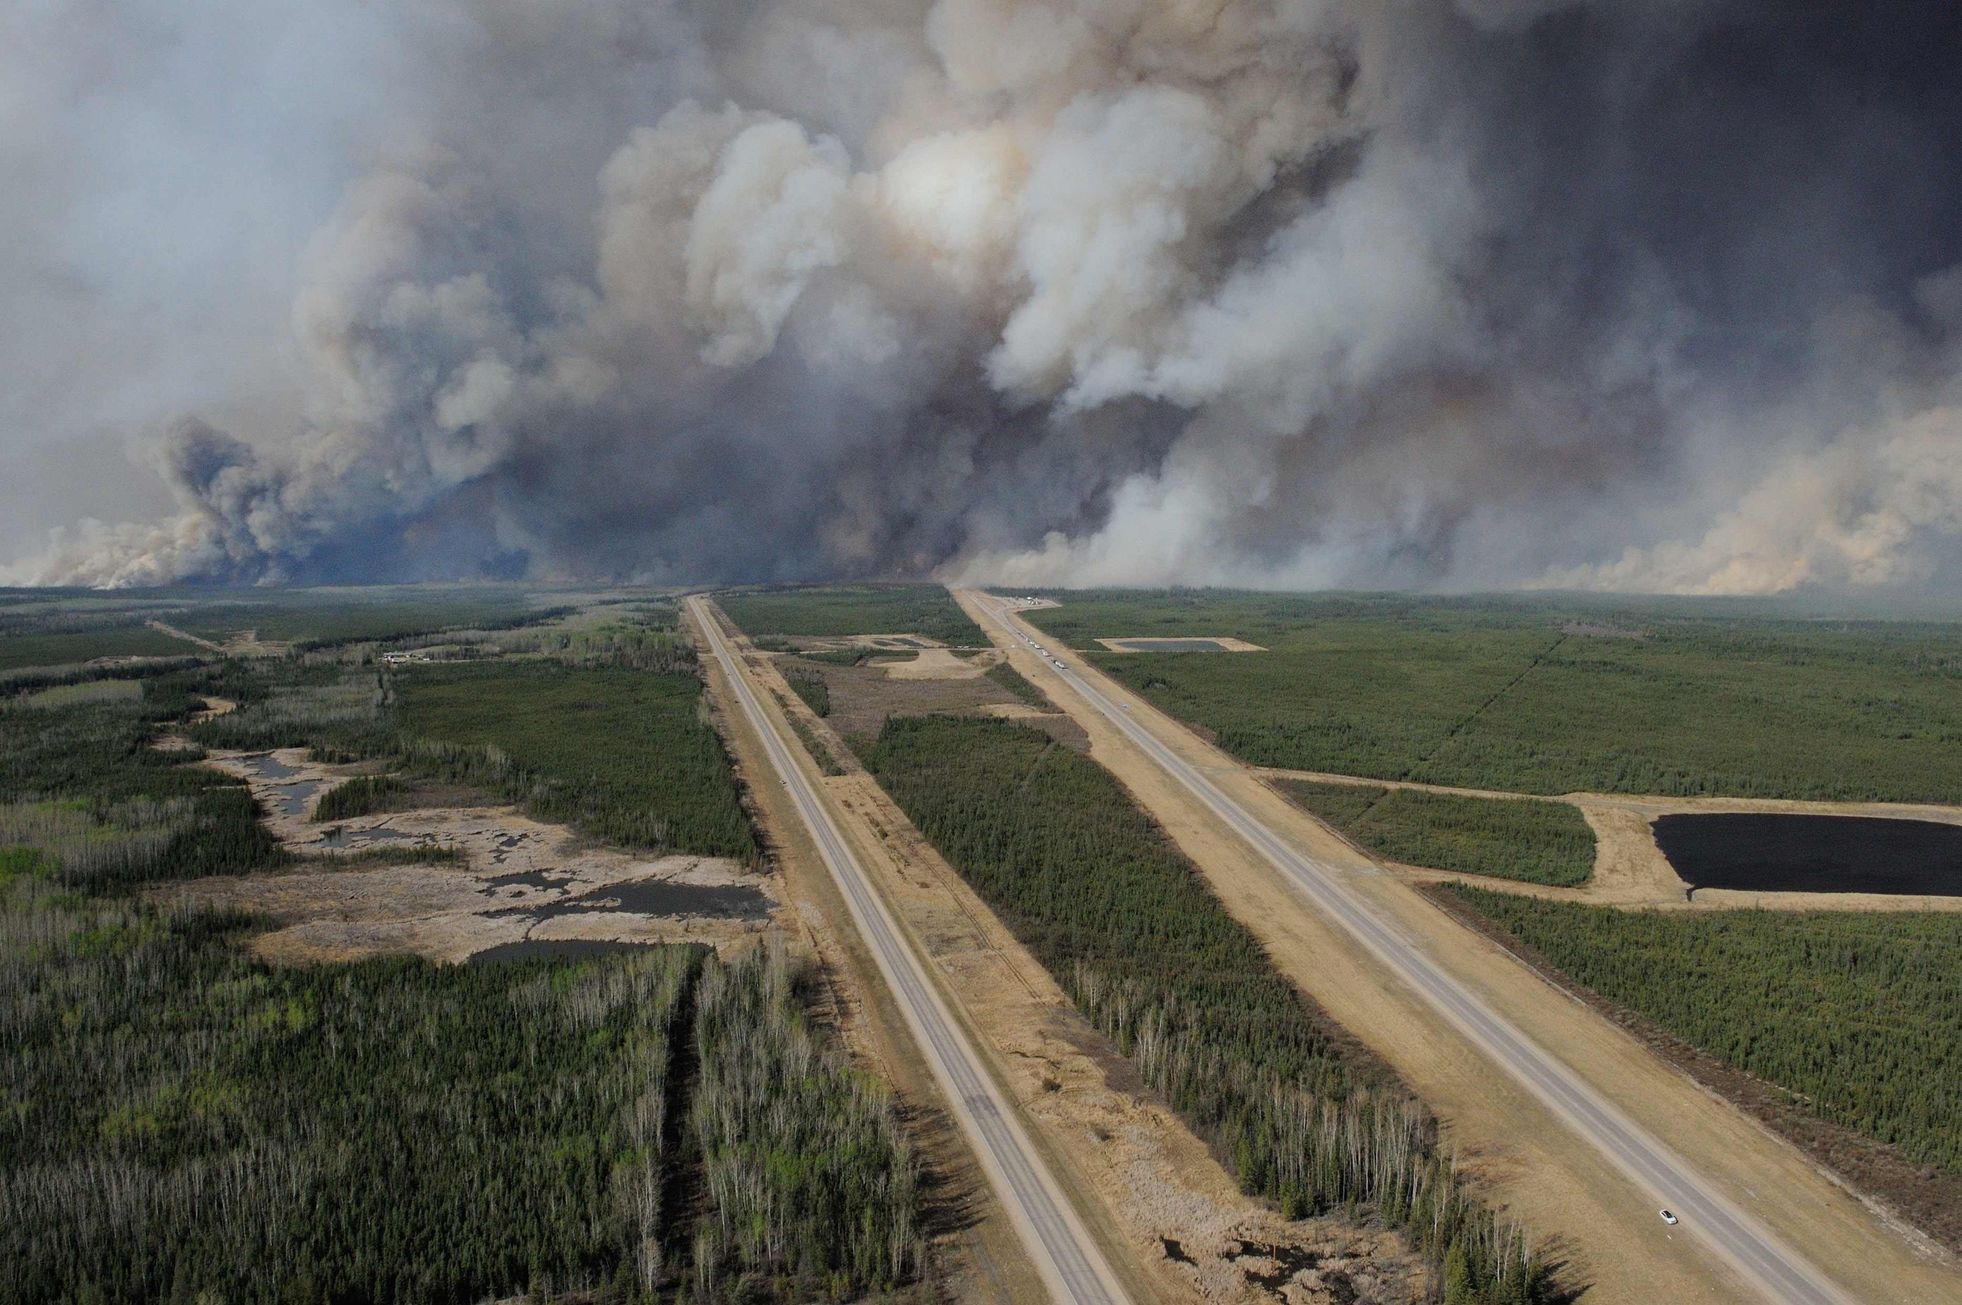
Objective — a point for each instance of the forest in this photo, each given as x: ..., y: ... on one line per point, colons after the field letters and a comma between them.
x: 1552, y: 695
x: 1018, y: 684
x: 1525, y: 839
x: 395, y: 1130
x: 809, y: 684
x: 624, y: 755
x: 838, y: 610
x: 361, y: 796
x: 185, y: 1122
x: 1129, y: 929
x: 1858, y: 1016
x: 47, y: 628
x: 619, y: 753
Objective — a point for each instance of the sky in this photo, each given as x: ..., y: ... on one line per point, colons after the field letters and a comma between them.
x: 1641, y: 295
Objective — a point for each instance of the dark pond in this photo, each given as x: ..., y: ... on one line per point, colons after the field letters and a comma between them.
x: 539, y: 949
x: 1169, y: 645
x: 657, y: 897
x: 526, y: 879
x: 339, y: 837
x: 266, y: 766
x: 291, y: 799
x: 1813, y: 854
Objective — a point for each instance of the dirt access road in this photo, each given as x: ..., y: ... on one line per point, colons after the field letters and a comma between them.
x: 1562, y: 1115
x: 1069, y: 1259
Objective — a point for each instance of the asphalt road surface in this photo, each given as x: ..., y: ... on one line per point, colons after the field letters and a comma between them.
x: 1063, y: 1251
x: 1753, y: 1249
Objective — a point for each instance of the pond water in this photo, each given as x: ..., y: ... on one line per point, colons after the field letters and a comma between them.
x: 657, y: 897
x: 291, y: 799
x: 340, y: 837
x: 539, y: 949
x: 1813, y: 854
x: 1169, y: 645
x: 266, y: 766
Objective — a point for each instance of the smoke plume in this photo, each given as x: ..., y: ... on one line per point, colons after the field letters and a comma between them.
x: 1645, y: 295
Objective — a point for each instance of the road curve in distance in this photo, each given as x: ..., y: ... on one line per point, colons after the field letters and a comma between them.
x: 1062, y: 1249
x: 1776, y: 1269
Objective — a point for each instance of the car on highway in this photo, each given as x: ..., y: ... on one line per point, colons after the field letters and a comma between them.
x: 1062, y: 666
x: 1669, y: 1218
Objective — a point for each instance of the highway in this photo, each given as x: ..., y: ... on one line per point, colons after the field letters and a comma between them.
x: 1066, y: 1256
x: 1776, y: 1269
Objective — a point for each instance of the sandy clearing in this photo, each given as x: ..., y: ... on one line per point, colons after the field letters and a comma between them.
x: 504, y: 877
x: 1142, y: 1176
x: 1558, y: 1185
x: 939, y: 664
x: 175, y: 633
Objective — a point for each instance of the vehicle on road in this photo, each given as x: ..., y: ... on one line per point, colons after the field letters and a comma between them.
x: 1780, y: 1271
x: 1670, y: 1219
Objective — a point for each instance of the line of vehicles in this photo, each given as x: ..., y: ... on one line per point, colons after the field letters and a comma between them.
x: 1057, y: 662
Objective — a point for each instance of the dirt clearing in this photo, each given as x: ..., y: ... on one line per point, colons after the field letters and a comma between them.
x: 939, y: 664
x: 493, y: 877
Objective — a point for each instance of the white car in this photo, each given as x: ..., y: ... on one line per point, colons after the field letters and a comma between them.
x: 1669, y: 1218
x: 1062, y: 666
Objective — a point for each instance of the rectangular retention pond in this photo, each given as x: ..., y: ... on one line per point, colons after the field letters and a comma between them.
x: 1772, y: 853
x: 1167, y: 645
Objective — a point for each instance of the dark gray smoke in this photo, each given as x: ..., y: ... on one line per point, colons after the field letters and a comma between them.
x: 1643, y: 294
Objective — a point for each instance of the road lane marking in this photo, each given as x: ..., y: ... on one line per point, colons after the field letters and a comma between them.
x: 1750, y: 1247
x: 1066, y: 1256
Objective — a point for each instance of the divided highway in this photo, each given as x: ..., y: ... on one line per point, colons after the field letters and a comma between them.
x: 1063, y: 1251
x: 1778, y: 1270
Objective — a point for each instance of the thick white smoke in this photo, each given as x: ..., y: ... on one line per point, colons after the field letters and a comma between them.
x: 1284, y: 292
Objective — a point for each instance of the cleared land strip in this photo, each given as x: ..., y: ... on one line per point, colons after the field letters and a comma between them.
x: 1760, y: 1256
x: 1068, y: 1258
x: 185, y: 635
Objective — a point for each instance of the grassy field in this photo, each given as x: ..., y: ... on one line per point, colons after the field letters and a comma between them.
x: 836, y: 610
x: 1552, y: 696
x: 1858, y: 1017
x: 1508, y: 838
x: 1146, y: 952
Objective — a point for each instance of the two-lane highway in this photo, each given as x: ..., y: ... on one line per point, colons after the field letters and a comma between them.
x: 1757, y: 1253
x: 1062, y: 1249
